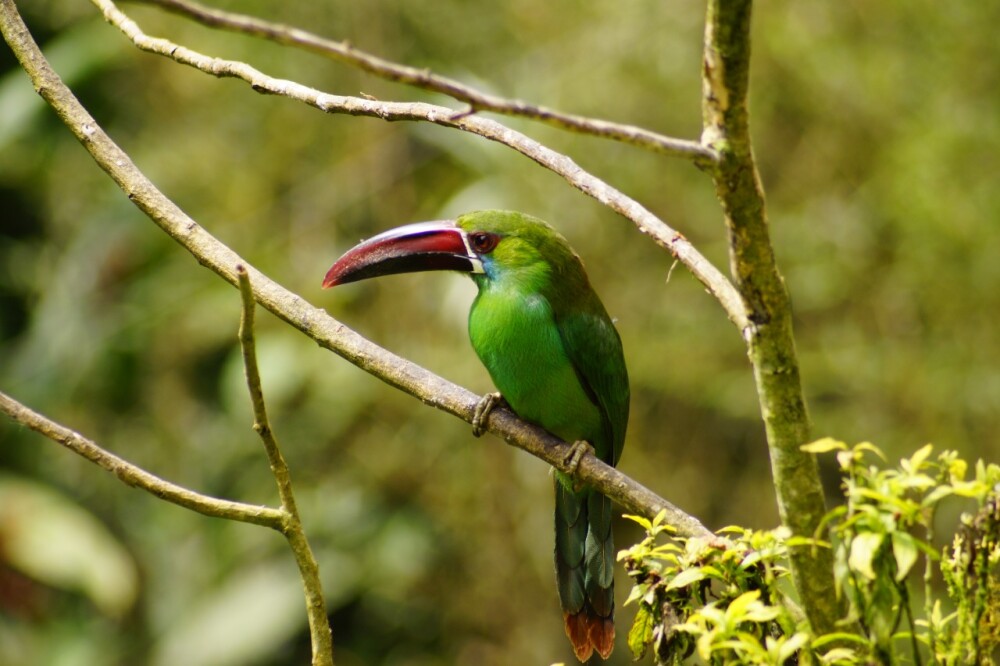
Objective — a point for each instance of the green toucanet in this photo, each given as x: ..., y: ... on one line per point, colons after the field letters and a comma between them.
x: 552, y: 351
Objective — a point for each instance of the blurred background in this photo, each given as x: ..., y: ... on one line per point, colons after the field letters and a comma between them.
x: 877, y: 128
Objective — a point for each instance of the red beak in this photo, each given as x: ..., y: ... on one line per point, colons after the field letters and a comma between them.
x: 424, y: 246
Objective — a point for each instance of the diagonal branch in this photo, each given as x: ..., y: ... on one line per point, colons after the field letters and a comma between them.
x: 665, y: 236
x: 136, y: 476
x: 314, y: 322
x: 427, y: 80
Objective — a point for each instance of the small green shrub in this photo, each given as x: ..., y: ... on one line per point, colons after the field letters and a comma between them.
x: 905, y: 601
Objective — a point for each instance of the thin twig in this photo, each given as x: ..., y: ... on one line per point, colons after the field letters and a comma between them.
x: 427, y: 80
x: 929, y: 580
x: 261, y: 424
x: 314, y: 322
x: 904, y: 594
x: 665, y: 236
x: 319, y: 624
x: 136, y: 476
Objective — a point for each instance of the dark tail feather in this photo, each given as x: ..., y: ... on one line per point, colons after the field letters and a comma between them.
x: 585, y: 570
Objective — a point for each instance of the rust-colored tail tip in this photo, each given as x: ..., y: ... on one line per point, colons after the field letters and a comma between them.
x: 588, y: 632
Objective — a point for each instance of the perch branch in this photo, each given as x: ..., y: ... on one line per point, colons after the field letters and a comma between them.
x: 314, y: 322
x: 424, y: 79
x: 769, y: 336
x: 319, y: 625
x: 665, y: 236
x: 136, y: 476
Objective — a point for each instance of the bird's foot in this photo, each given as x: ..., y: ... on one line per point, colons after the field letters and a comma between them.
x: 482, y: 411
x: 577, y: 451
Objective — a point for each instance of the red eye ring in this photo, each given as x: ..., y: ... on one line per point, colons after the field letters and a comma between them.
x: 483, y: 242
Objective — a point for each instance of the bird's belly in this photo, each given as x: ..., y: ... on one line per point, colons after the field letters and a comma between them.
x: 525, y: 357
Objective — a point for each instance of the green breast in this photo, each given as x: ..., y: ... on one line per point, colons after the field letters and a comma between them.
x: 516, y: 338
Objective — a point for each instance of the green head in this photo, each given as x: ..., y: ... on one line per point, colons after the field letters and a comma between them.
x: 518, y: 249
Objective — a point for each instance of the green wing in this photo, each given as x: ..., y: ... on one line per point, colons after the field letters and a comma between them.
x: 595, y: 350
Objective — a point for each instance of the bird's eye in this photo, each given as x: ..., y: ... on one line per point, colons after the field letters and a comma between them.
x: 483, y: 242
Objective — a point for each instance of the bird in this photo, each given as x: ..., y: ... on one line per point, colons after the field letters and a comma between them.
x: 555, y: 356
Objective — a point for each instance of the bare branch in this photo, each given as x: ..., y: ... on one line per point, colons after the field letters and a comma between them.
x: 422, y: 78
x: 665, y: 236
x: 319, y: 625
x: 312, y: 321
x: 136, y: 476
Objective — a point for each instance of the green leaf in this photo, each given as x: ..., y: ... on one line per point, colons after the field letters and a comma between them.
x: 845, y: 459
x: 919, y: 481
x: 840, y: 656
x: 863, y: 549
x: 641, y: 633
x: 904, y: 549
x: 936, y: 495
x: 838, y: 637
x: 957, y: 469
x: 791, y: 646
x: 973, y: 489
x: 740, y: 605
x: 660, y: 517
x: 646, y: 525
x: 868, y: 446
x: 824, y: 445
x: 638, y: 591
x: 801, y: 541
x: 685, y: 578
x: 732, y: 529
x: 760, y: 612
x: 918, y: 458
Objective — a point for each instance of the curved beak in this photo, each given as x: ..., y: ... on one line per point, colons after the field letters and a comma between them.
x: 424, y: 246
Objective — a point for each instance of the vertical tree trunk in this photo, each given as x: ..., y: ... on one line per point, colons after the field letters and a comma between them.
x: 768, y: 334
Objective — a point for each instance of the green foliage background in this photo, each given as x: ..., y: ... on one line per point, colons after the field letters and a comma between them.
x: 876, y: 127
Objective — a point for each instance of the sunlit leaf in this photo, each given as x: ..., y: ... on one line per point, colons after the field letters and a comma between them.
x: 868, y: 446
x: 685, y: 578
x: 791, y: 646
x: 863, y: 550
x: 904, y: 549
x: 839, y: 655
x: 919, y: 481
x: 800, y: 541
x: 641, y: 632
x: 641, y: 520
x: 824, y: 445
x: 845, y: 459
x: 973, y: 489
x: 838, y: 637
x: 936, y: 495
x: 917, y: 459
x: 636, y: 592
x: 760, y: 612
x: 957, y: 469
x: 738, y: 606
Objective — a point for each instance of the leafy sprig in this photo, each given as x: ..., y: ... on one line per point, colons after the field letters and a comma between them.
x: 725, y: 598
